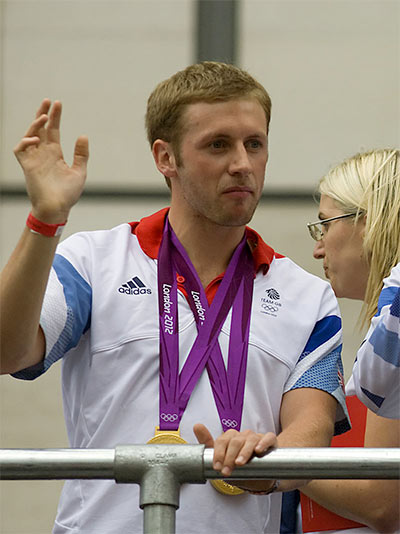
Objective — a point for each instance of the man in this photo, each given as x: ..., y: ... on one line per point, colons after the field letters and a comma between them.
x: 111, y: 310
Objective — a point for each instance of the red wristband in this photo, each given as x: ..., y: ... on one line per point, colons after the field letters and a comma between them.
x: 39, y: 227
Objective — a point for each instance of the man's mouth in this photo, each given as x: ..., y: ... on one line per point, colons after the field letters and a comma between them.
x: 239, y: 191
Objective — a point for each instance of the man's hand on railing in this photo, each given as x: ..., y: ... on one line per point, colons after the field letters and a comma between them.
x: 234, y: 449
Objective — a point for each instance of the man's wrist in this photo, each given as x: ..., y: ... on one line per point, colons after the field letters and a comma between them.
x: 272, y: 489
x: 37, y: 226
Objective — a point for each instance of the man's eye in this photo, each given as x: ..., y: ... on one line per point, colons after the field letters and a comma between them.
x: 254, y: 144
x: 218, y: 144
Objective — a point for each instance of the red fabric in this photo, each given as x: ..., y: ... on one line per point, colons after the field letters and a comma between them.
x: 315, y: 517
x: 149, y: 233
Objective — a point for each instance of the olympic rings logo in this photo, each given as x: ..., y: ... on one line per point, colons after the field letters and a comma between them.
x: 269, y: 308
x: 231, y: 423
x: 169, y: 417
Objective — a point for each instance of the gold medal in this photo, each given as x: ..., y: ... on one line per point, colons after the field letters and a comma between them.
x: 225, y: 488
x: 167, y: 436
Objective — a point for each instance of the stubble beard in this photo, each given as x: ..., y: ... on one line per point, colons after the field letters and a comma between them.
x: 220, y: 211
x: 228, y: 216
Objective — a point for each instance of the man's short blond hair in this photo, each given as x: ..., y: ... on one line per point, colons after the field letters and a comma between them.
x: 368, y: 184
x: 208, y: 81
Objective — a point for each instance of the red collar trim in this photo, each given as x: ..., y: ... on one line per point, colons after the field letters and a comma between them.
x: 149, y: 233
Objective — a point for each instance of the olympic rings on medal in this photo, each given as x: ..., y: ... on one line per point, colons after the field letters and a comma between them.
x: 169, y: 417
x: 231, y: 423
x: 269, y: 308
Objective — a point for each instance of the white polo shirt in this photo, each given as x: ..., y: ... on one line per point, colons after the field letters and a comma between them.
x: 100, y: 315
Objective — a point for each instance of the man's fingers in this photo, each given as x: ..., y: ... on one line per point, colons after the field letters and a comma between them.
x: 226, y: 448
x: 266, y: 442
x: 46, y: 113
x: 25, y: 143
x: 247, y: 450
x: 53, y: 127
x: 234, y: 449
x: 81, y: 152
x: 203, y: 435
x: 36, y: 126
x: 239, y: 450
x: 43, y: 108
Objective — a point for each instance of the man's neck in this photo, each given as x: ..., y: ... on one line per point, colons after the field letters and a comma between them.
x: 209, y: 247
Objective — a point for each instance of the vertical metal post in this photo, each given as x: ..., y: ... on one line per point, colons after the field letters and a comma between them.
x: 160, y: 470
x: 159, y: 500
x: 217, y: 30
x: 158, y: 519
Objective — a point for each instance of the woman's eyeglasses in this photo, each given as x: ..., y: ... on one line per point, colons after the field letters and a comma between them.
x: 316, y: 228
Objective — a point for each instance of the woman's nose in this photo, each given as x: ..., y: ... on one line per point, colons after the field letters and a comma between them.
x: 318, y: 251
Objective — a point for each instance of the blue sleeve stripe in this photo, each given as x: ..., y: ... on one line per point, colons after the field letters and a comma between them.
x: 323, y: 331
x: 386, y: 344
x: 386, y: 297
x: 78, y: 297
x: 395, y: 307
x: 324, y: 374
x: 376, y: 399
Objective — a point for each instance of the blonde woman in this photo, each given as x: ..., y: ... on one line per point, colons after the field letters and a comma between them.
x: 358, y: 239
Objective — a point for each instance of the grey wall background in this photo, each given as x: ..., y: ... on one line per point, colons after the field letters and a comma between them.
x: 332, y: 68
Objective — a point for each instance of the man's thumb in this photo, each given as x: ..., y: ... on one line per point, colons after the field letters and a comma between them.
x: 81, y: 152
x: 203, y: 435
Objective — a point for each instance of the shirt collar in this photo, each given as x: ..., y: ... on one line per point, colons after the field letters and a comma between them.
x: 149, y: 231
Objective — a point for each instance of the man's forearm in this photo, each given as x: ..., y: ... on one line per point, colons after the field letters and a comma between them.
x: 310, y: 434
x: 307, y: 420
x: 22, y: 286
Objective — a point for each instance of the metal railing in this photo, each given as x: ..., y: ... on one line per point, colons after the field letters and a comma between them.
x: 161, y: 469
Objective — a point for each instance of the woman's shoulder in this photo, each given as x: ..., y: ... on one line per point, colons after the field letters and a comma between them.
x: 394, y: 277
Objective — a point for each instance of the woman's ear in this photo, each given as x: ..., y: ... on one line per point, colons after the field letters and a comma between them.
x: 362, y: 221
x: 164, y: 158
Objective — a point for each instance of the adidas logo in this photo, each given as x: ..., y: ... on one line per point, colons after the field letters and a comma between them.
x: 134, y: 287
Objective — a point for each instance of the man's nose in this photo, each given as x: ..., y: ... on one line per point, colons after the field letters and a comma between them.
x: 240, y: 162
x: 318, y: 251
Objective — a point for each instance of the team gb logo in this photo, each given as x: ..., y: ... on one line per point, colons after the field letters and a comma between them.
x: 269, y: 303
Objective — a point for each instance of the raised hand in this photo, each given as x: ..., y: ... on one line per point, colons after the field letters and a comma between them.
x: 53, y: 186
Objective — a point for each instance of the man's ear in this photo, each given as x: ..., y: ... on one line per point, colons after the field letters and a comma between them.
x: 164, y: 158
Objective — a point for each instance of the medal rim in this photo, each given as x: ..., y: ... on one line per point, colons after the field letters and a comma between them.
x: 166, y: 436
x: 225, y: 488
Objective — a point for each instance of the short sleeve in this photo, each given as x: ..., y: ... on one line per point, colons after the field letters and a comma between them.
x: 320, y: 366
x: 65, y: 314
x: 376, y: 372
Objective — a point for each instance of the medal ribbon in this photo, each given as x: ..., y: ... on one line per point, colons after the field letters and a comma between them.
x: 236, y: 287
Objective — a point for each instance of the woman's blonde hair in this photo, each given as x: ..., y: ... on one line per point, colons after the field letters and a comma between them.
x: 368, y: 184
